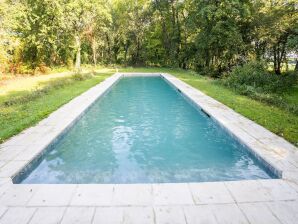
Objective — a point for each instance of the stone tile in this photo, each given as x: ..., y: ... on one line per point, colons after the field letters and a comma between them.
x: 8, y: 154
x: 28, y: 139
x: 35, y: 130
x: 133, y: 194
x: 143, y: 215
x: 248, y: 191
x: 18, y: 194
x: 169, y: 215
x: 294, y: 185
x: 11, y: 168
x: 53, y: 195
x: 108, y: 215
x: 18, y: 215
x: 15, y: 140
x: 5, y: 183
x: 258, y: 213
x: 257, y: 131
x: 291, y: 175
x: 239, y: 132
x: 80, y: 215
x: 281, y: 164
x: 5, y: 180
x: 2, y: 163
x: 48, y: 215
x: 228, y: 214
x: 210, y: 193
x: 279, y: 145
x: 46, y: 140
x: 28, y: 154
x: 172, y: 194
x: 2, y: 210
x: 93, y: 195
x: 279, y: 189
x: 285, y: 211
x: 201, y: 214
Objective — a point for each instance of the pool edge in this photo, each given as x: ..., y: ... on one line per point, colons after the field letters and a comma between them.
x: 278, y: 153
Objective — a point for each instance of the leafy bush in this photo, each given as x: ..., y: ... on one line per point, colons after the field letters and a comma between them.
x: 20, y: 68
x: 42, y: 68
x: 254, y: 77
x: 81, y: 77
x: 254, y: 81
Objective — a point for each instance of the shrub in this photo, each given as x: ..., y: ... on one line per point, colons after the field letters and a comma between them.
x: 42, y: 68
x: 254, y: 81
x: 254, y: 77
x: 20, y: 68
x: 81, y: 77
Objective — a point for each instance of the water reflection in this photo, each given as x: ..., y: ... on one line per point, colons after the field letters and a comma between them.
x: 143, y: 131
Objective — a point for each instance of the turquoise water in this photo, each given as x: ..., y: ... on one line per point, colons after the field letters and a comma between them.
x: 143, y: 131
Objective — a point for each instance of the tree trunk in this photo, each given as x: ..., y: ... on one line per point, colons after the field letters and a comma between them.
x: 126, y: 51
x: 165, y: 37
x: 279, y: 53
x: 78, y: 55
x: 277, y: 60
x: 296, y: 66
x: 94, y: 51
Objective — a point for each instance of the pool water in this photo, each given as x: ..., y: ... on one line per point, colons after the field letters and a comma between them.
x: 144, y: 131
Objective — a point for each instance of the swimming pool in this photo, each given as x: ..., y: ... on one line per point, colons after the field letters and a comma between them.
x: 144, y: 131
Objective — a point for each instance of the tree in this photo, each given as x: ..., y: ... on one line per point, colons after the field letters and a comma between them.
x: 209, y: 36
x: 218, y: 39
x: 273, y: 22
x: 96, y: 30
x: 39, y: 27
x: 80, y: 15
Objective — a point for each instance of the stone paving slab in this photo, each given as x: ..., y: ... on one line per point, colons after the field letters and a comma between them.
x: 108, y: 195
x: 93, y: 195
x: 48, y: 215
x: 259, y: 213
x: 248, y: 213
x: 211, y: 193
x: 248, y: 201
x: 79, y: 215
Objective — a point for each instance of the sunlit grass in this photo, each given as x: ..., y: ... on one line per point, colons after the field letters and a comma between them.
x: 23, y: 108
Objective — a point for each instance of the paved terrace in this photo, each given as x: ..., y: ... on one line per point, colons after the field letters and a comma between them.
x: 250, y: 201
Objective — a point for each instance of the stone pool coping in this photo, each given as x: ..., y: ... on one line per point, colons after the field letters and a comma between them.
x: 248, y: 201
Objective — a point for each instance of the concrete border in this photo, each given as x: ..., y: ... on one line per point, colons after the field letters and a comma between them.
x: 248, y: 201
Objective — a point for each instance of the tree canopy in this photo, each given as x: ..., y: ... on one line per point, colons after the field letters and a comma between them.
x: 210, y: 36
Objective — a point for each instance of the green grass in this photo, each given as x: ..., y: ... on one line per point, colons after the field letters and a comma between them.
x: 22, y: 109
x: 277, y: 120
x: 291, y: 96
x: 19, y: 114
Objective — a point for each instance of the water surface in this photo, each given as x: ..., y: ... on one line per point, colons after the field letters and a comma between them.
x: 143, y: 131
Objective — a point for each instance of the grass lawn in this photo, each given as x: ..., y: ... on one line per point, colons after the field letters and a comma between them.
x: 18, y: 116
x: 27, y: 107
x: 279, y: 121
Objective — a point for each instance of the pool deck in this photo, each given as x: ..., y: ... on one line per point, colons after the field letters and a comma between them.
x: 249, y: 201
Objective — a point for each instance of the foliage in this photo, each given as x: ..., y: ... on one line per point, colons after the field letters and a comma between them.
x: 254, y: 76
x: 39, y: 28
x: 209, y: 36
x: 254, y: 80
